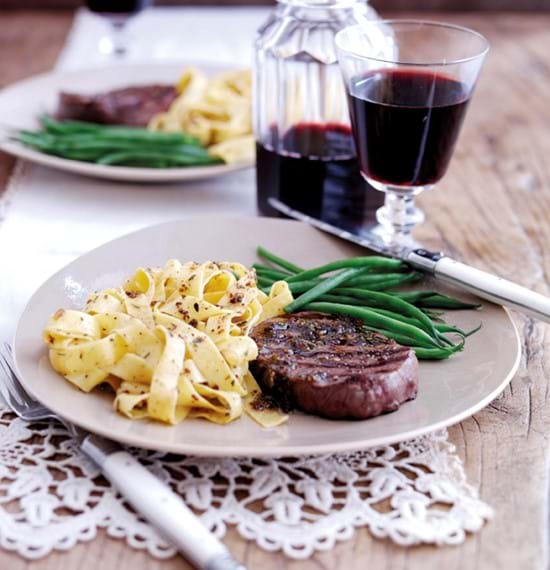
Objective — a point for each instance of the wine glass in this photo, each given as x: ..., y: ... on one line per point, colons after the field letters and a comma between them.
x: 407, y: 109
x: 117, y: 13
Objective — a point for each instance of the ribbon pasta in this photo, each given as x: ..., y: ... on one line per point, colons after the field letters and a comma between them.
x: 216, y: 110
x: 172, y: 342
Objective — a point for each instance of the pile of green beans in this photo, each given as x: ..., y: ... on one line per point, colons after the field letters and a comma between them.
x: 363, y: 287
x: 116, y: 145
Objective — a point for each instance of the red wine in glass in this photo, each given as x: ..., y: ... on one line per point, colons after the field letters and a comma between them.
x: 313, y: 168
x: 406, y: 124
x: 117, y: 12
x: 118, y: 7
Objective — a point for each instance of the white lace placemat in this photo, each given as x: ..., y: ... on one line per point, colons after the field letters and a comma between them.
x: 52, y: 497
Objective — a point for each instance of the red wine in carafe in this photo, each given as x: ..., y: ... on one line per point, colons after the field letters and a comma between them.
x: 313, y: 168
x: 406, y: 124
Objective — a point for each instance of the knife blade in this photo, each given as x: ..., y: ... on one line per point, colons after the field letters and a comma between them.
x: 438, y: 265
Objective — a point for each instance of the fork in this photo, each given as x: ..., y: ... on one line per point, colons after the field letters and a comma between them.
x: 145, y: 492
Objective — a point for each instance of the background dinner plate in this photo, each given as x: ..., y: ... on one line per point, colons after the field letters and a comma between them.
x: 22, y: 103
x: 448, y: 390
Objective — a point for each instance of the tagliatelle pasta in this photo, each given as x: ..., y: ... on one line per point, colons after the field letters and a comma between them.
x: 172, y: 342
x: 216, y: 110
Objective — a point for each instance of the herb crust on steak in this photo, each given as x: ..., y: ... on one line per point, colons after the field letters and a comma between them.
x: 331, y: 366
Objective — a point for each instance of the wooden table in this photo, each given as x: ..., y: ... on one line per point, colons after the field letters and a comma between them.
x: 491, y: 210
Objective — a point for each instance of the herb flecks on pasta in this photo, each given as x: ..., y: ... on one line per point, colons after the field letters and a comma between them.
x: 172, y: 342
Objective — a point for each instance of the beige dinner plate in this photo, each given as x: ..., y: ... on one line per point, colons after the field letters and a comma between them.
x: 449, y: 391
x: 22, y: 103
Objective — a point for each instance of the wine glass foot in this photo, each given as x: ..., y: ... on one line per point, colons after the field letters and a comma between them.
x: 392, y: 238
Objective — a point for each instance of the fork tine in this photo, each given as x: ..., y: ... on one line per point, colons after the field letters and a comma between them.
x: 17, y: 391
x: 17, y: 398
x: 15, y: 395
x: 9, y: 392
x: 8, y: 396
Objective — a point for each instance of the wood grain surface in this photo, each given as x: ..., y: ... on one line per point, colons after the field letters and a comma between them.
x: 491, y: 210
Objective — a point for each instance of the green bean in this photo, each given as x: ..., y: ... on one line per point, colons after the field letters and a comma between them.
x: 423, y: 353
x: 425, y: 324
x: 445, y: 328
x: 402, y: 339
x: 432, y: 353
x: 367, y: 281
x: 301, y: 287
x: 271, y: 273
x: 123, y: 157
x: 445, y: 352
x: 261, y: 267
x: 444, y: 302
x: 354, y: 262
x: 40, y: 141
x: 65, y: 127
x: 433, y: 299
x: 257, y: 265
x: 322, y: 288
x: 384, y: 285
x: 413, y: 296
x: 117, y: 132
x: 372, y: 318
x: 438, y: 329
x: 473, y: 331
x: 154, y: 137
x: 287, y: 265
x: 263, y: 282
x: 346, y: 300
x: 87, y: 156
x: 341, y: 299
x: 138, y: 140
x: 380, y: 277
x: 393, y: 304
x: 112, y: 145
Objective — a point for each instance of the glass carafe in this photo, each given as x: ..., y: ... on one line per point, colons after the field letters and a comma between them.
x: 305, y: 150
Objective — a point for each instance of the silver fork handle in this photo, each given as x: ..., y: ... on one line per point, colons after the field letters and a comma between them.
x: 159, y: 505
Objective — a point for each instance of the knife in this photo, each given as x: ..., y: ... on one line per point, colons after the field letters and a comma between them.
x: 437, y: 264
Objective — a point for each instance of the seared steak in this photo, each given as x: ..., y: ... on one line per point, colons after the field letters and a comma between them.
x: 132, y: 106
x: 332, y: 367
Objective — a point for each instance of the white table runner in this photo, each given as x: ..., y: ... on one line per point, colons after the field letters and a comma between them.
x: 51, y: 217
x: 412, y: 493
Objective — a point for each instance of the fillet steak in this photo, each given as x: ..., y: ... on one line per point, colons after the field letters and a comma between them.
x: 331, y: 366
x: 132, y: 106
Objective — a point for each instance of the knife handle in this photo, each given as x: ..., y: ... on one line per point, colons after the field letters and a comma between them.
x: 493, y: 288
x: 159, y: 505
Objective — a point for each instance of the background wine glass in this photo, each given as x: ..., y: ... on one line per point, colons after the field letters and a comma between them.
x: 117, y: 13
x: 407, y: 110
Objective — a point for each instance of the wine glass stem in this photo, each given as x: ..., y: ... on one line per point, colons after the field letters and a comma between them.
x: 399, y: 214
x: 119, y: 38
